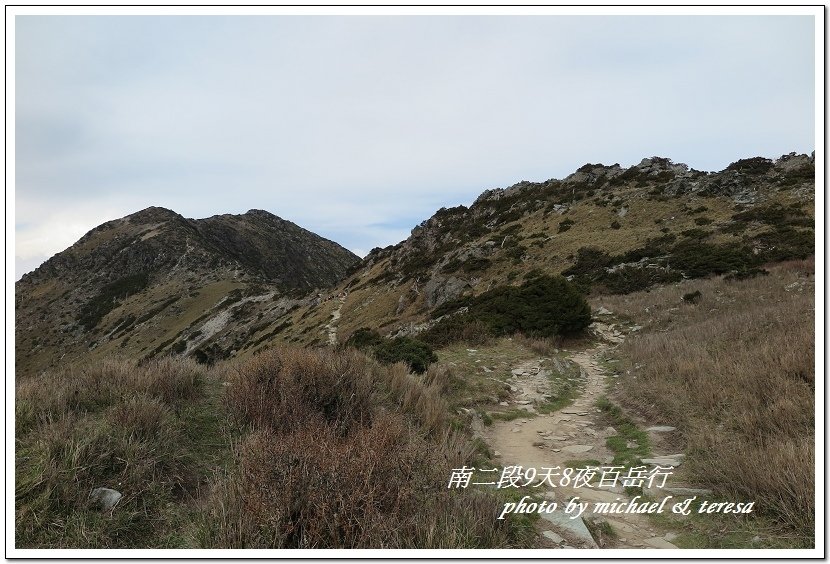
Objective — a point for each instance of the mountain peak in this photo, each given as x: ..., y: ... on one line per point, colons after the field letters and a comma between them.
x: 152, y: 214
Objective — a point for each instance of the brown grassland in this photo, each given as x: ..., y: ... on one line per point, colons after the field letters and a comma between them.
x: 735, y: 373
x: 293, y: 448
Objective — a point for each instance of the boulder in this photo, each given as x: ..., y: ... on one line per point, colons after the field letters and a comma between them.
x: 105, y: 498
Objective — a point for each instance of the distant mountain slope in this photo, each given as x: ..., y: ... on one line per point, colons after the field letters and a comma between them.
x: 141, y: 278
x: 155, y: 283
x: 610, y: 229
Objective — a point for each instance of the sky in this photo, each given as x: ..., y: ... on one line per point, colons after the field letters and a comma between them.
x: 359, y: 128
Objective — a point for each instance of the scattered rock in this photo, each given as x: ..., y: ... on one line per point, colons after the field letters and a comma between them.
x: 539, y: 443
x: 658, y: 542
x: 105, y: 498
x: 574, y: 527
x: 661, y: 429
x: 553, y: 537
x: 497, y: 454
x: 603, y: 311
x: 663, y: 461
x: 670, y: 536
x: 516, y: 430
x: 578, y: 449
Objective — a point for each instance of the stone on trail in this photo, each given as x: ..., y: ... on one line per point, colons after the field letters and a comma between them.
x: 661, y: 429
x: 573, y: 527
x: 659, y: 542
x: 105, y: 498
x: 577, y: 449
x: 665, y: 460
x: 553, y: 537
x: 539, y: 444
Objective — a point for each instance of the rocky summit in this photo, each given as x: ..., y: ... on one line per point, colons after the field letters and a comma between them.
x: 130, y: 286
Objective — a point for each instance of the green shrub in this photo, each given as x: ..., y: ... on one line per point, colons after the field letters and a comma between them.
x: 775, y: 214
x: 786, y: 243
x: 629, y: 279
x: 615, y: 224
x: 565, y: 224
x: 589, y: 260
x: 543, y: 306
x: 364, y: 338
x: 746, y: 274
x: 692, y: 297
x: 697, y: 259
x: 475, y: 264
x: 415, y: 353
x: 755, y: 165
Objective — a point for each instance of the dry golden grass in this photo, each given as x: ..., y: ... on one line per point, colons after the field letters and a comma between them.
x: 341, y: 452
x: 735, y: 373
x: 114, y: 425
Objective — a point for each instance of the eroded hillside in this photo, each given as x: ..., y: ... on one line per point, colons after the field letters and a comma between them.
x: 149, y: 282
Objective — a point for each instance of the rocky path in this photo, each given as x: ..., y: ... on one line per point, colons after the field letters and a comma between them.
x: 331, y: 327
x: 573, y: 433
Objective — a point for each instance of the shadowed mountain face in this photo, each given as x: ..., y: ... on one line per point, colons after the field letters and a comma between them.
x: 256, y: 244
x: 140, y: 274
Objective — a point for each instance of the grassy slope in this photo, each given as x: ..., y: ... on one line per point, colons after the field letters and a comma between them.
x: 735, y: 374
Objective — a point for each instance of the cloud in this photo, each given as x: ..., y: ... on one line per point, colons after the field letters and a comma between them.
x: 356, y: 126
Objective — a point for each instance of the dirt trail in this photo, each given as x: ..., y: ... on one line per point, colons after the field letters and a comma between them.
x: 331, y: 327
x: 575, y: 432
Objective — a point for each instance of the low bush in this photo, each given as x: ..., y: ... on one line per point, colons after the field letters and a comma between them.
x: 417, y: 354
x: 543, y: 306
x: 692, y: 297
x: 367, y: 471
x: 565, y: 224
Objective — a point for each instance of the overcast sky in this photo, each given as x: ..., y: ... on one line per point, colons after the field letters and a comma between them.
x: 359, y: 128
